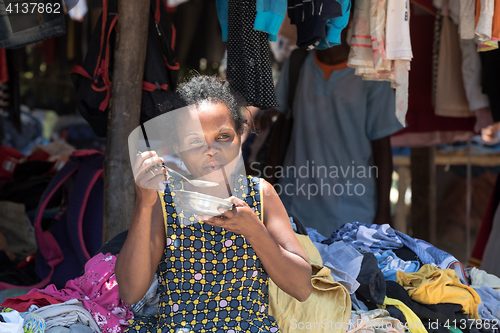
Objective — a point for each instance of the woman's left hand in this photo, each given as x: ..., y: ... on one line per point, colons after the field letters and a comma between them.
x: 241, y: 219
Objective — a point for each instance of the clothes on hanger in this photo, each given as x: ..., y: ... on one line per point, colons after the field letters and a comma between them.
x: 249, y: 56
x: 381, y: 46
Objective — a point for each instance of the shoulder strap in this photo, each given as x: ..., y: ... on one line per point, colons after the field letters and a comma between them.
x: 296, y: 60
x: 90, y: 171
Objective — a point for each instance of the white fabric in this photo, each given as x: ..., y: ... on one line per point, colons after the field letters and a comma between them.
x: 66, y: 314
x: 471, y: 73
x: 398, y: 43
x: 480, y: 278
x: 78, y: 12
x: 467, y: 18
x: 13, y: 322
x: 175, y: 3
x: 485, y: 23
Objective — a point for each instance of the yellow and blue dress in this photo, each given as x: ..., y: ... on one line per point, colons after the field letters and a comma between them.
x: 210, y: 279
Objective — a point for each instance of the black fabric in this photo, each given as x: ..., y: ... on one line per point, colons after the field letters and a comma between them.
x: 249, y: 56
x: 310, y: 18
x: 406, y: 254
x: 490, y: 63
x: 114, y: 245
x: 160, y: 68
x: 14, y: 83
x: 273, y: 151
x: 301, y: 229
x: 28, y: 190
x: 396, y: 313
x: 432, y: 316
x: 372, y: 283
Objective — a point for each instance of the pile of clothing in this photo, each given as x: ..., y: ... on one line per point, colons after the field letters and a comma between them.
x: 395, y: 279
x: 367, y: 278
x: 87, y: 304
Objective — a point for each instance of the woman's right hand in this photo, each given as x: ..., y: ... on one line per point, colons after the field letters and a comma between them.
x: 147, y: 176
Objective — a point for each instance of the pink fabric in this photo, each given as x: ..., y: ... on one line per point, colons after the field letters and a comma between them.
x: 97, y: 289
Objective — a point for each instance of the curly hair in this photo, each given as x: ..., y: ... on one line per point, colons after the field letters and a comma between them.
x: 202, y: 88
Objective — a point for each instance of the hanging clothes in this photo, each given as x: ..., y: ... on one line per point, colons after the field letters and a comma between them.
x: 381, y: 47
x: 270, y: 15
x: 484, y: 19
x: 424, y: 127
x: 249, y: 56
x: 334, y: 26
x: 451, y: 100
x: 467, y: 19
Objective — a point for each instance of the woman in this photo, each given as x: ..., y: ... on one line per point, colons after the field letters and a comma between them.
x: 213, y: 271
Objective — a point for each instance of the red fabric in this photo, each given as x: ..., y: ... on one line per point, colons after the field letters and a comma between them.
x: 420, y: 116
x: 4, y: 73
x: 484, y: 233
x: 22, y: 303
x: 9, y: 159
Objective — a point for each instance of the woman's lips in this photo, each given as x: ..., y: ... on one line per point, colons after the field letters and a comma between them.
x: 212, y: 168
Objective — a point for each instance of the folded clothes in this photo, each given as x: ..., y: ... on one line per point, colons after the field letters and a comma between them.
x: 66, y: 314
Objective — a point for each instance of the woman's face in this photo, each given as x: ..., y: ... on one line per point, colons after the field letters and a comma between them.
x: 207, y: 141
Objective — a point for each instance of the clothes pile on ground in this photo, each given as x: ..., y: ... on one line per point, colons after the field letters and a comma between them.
x: 89, y: 303
x: 394, y: 278
x: 367, y: 278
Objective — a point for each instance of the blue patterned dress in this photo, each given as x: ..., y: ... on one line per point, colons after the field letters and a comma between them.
x: 210, y: 279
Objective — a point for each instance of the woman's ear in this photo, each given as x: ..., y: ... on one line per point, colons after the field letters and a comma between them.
x: 176, y: 149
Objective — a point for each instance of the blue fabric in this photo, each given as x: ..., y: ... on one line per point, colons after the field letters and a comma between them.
x: 270, y: 15
x: 294, y: 226
x: 222, y: 13
x: 390, y: 264
x: 344, y: 263
x: 376, y: 238
x: 367, y: 237
x: 334, y: 27
x: 489, y: 309
x: 315, y: 236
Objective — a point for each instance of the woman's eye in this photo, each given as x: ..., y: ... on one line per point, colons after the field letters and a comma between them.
x: 196, y: 143
x: 223, y: 136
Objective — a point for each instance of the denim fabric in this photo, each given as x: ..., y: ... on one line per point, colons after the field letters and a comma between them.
x: 33, y: 34
x: 315, y: 235
x: 148, y: 305
x: 344, y: 262
x: 367, y: 237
